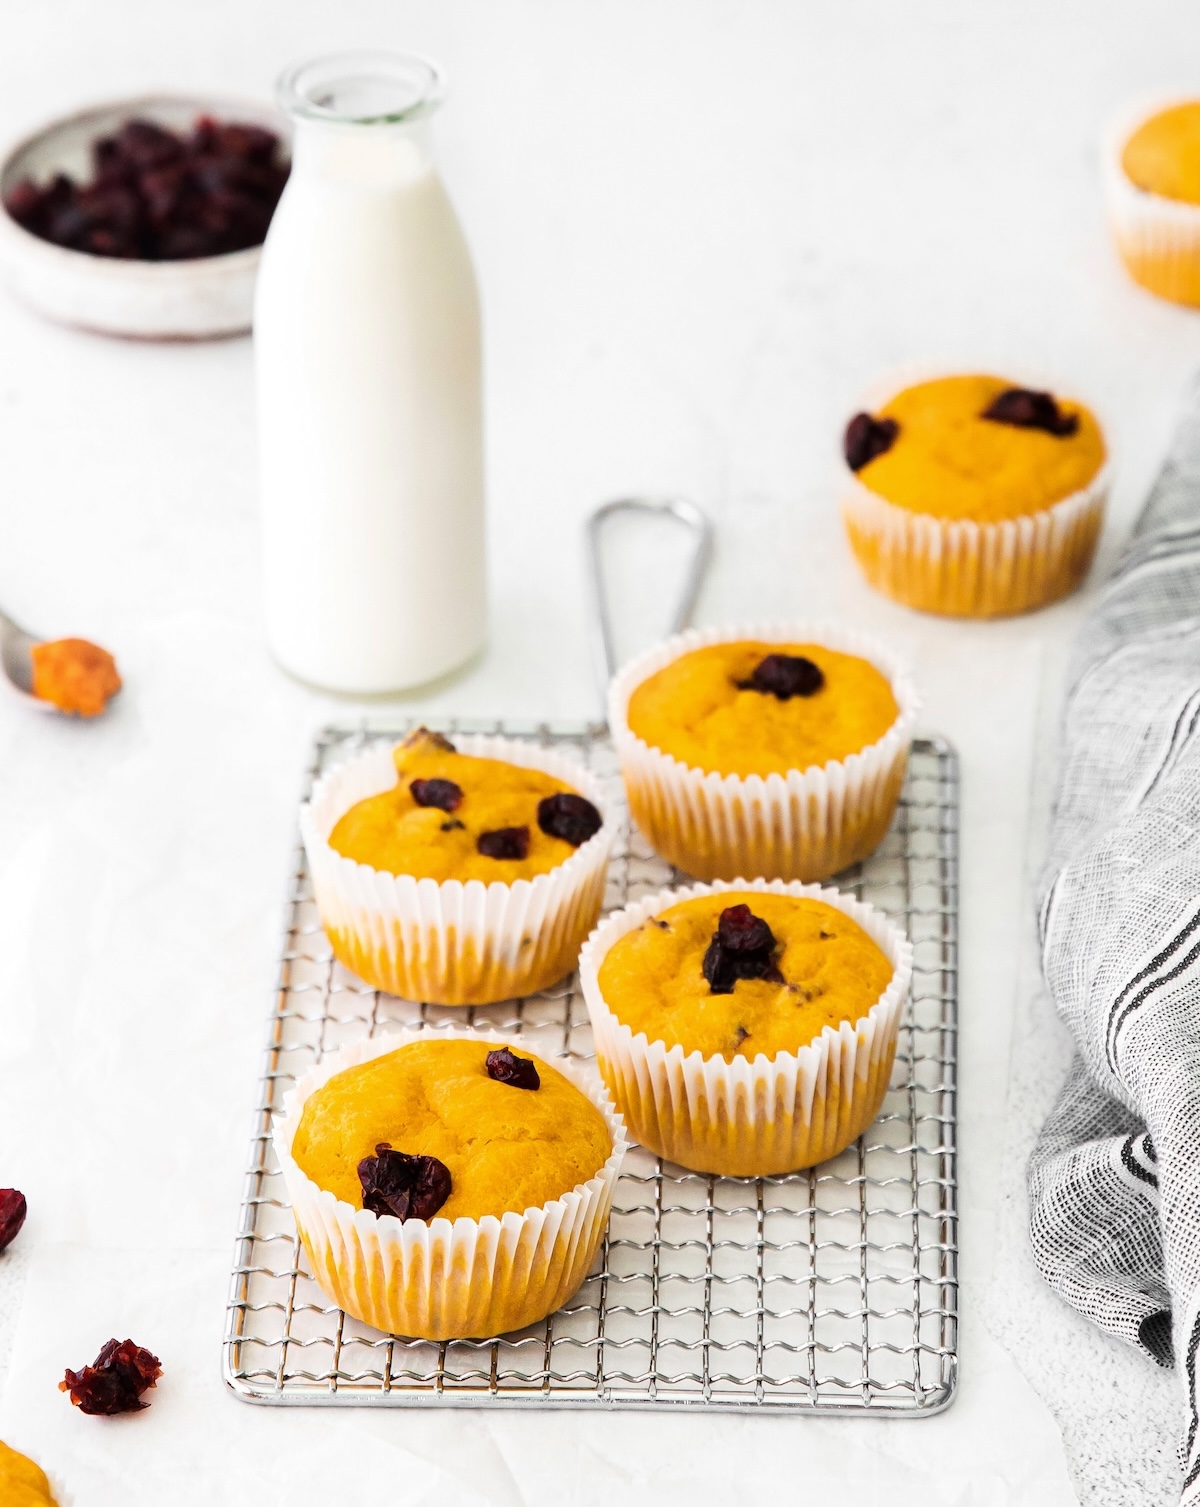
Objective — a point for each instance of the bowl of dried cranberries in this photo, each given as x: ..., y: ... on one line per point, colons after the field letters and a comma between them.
x: 144, y: 217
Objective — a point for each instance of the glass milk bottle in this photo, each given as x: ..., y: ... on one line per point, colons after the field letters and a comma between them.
x: 367, y: 349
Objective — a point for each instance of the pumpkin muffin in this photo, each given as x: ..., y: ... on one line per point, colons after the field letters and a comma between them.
x: 746, y: 1029
x: 974, y: 497
x: 450, y: 1185
x: 459, y: 875
x: 22, y: 1483
x: 775, y: 751
x: 1152, y: 180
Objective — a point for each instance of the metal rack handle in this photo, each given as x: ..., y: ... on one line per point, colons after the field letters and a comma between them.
x: 694, y: 519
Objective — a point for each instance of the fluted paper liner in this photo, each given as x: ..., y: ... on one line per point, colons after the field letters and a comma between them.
x: 1158, y: 238
x: 749, y: 1118
x: 805, y: 824
x: 957, y: 567
x: 453, y: 943
x: 444, y: 1279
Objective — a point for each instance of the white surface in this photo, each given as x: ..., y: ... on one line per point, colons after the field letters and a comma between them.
x: 702, y: 227
x: 370, y: 405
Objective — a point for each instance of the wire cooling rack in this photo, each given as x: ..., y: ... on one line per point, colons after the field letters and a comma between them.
x: 827, y: 1291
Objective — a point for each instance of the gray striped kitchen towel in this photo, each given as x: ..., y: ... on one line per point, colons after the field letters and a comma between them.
x: 1114, y: 1181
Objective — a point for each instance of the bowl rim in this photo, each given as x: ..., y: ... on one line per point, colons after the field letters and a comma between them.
x: 121, y: 268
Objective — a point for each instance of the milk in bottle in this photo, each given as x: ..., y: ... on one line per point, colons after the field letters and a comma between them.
x: 367, y: 351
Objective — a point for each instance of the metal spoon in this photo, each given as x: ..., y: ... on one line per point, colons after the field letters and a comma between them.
x: 697, y: 523
x: 16, y: 655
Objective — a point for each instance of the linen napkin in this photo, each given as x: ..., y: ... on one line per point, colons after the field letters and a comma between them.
x: 1114, y: 1180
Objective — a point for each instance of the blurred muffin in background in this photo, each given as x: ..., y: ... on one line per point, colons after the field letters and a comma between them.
x: 1152, y: 183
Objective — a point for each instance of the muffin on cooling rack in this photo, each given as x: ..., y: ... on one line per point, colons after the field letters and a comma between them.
x: 459, y: 874
x: 776, y: 750
x: 448, y: 1185
x: 974, y: 497
x: 746, y: 1029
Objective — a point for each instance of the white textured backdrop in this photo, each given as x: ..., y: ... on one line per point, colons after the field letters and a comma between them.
x: 702, y: 227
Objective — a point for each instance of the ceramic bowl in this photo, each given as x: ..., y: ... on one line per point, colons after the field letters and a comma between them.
x: 185, y: 300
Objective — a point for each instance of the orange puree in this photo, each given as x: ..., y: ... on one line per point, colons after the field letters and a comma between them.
x: 75, y: 676
x: 652, y: 978
x: 1163, y: 154
x: 505, y: 1147
x: 950, y: 462
x: 694, y: 710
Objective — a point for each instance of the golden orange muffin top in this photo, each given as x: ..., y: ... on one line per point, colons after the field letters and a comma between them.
x: 743, y: 973
x: 975, y: 448
x: 454, y: 816
x: 503, y: 1146
x: 22, y: 1483
x: 762, y: 708
x: 1163, y: 154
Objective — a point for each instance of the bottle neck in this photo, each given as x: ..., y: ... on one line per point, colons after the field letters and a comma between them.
x: 368, y: 155
x: 361, y: 118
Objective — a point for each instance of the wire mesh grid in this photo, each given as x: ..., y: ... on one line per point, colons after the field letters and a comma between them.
x: 832, y: 1290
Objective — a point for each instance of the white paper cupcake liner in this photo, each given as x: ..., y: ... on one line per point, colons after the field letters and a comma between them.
x: 749, y: 1118
x: 453, y: 943
x: 959, y: 568
x: 805, y: 824
x: 443, y: 1279
x: 1158, y: 238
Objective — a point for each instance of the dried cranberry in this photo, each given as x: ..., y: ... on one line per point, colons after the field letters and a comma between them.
x: 1026, y: 409
x: 24, y: 200
x: 408, y: 1187
x: 156, y: 195
x: 453, y: 825
x: 784, y: 676
x: 767, y: 970
x: 571, y: 817
x: 145, y: 144
x: 742, y: 947
x: 504, y: 842
x: 115, y: 1381
x: 740, y: 930
x: 444, y: 794
x: 720, y: 968
x: 12, y: 1215
x: 504, y: 1066
x: 867, y: 437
